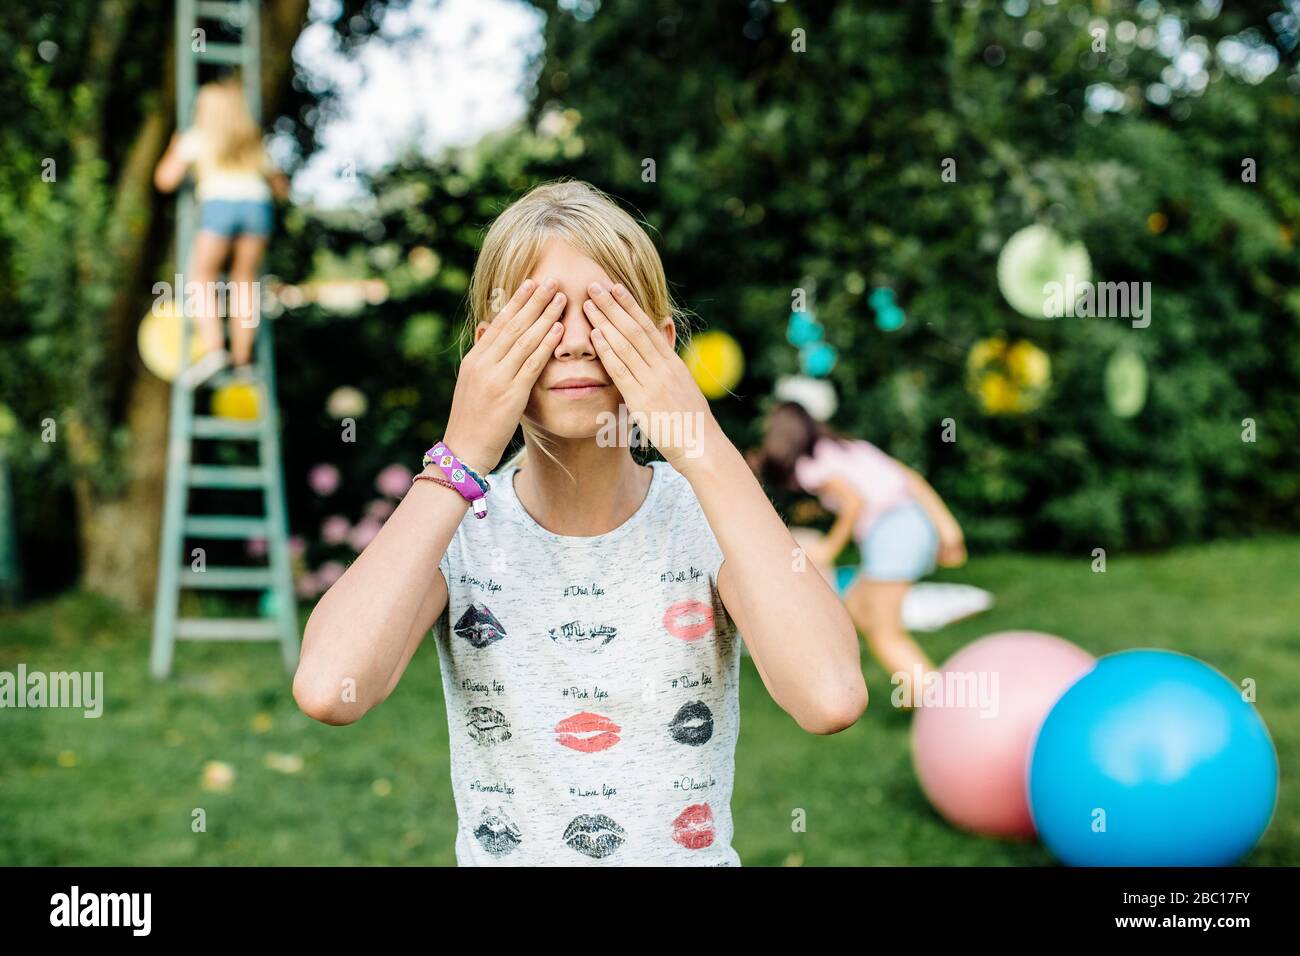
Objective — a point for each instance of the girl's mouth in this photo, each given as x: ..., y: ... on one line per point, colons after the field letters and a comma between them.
x: 577, y: 391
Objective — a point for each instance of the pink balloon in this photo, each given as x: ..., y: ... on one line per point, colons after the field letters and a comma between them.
x: 971, y: 744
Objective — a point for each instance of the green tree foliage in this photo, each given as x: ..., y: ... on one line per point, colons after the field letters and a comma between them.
x: 774, y: 166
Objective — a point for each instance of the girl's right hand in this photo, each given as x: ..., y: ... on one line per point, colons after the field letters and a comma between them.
x: 498, y: 373
x: 952, y: 546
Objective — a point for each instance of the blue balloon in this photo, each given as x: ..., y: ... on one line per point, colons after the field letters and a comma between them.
x: 1152, y: 758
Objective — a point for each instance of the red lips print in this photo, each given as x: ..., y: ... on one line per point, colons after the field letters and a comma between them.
x: 693, y: 827
x: 587, y: 732
x: 689, y: 620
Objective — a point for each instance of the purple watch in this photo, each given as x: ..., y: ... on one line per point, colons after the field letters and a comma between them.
x: 462, y: 477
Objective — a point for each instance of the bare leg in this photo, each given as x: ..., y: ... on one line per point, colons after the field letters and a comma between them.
x: 877, y: 610
x: 207, y: 255
x: 244, y: 271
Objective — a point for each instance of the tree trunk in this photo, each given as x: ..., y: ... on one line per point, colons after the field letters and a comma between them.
x: 119, y: 533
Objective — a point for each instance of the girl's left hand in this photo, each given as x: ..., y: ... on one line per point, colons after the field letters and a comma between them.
x: 658, y: 390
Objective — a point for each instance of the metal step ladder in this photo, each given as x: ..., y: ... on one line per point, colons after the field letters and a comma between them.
x: 183, y: 472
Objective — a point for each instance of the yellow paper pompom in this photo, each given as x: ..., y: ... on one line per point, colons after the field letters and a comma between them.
x: 1029, y: 365
x: 715, y: 362
x: 236, y: 400
x: 1008, y: 378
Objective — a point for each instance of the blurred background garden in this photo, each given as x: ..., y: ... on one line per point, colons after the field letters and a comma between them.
x: 914, y: 170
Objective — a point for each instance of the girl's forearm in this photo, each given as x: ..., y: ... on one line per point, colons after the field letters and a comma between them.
x: 929, y: 500
x: 359, y: 632
x: 838, y: 537
x: 795, y: 627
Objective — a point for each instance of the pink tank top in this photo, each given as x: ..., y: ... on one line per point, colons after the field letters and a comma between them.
x: 878, y: 479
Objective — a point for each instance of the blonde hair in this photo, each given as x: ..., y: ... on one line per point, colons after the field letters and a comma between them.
x: 231, y: 139
x: 589, y: 221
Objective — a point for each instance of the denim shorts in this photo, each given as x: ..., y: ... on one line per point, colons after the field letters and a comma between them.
x: 236, y: 217
x: 901, y: 545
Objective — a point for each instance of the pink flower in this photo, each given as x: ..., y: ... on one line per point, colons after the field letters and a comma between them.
x: 379, y: 509
x: 324, y: 479
x: 297, y: 546
x: 394, y: 481
x: 255, y: 547
x: 307, y: 586
x: 329, y: 572
x: 335, y: 529
x: 363, y: 534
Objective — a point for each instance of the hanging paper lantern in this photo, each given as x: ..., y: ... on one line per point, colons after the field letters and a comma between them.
x: 1126, y: 383
x: 159, y: 341
x: 817, y: 359
x: 1033, y: 259
x: 715, y: 362
x: 235, y: 400
x: 345, y: 402
x: 1008, y: 378
x: 802, y: 329
x: 816, y: 395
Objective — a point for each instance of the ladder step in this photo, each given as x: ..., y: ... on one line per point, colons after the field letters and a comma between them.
x: 226, y: 526
x: 228, y: 476
x: 226, y: 629
x: 208, y: 426
x: 227, y: 578
x: 232, y: 12
x: 231, y: 53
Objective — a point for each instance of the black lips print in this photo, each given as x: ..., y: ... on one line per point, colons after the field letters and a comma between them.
x: 693, y: 724
x: 486, y: 726
x: 594, y: 835
x: 590, y: 638
x: 496, y: 832
x: 479, y: 626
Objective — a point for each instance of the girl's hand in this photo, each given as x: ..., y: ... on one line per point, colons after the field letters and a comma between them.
x: 498, y: 373
x: 656, y: 385
x: 821, y: 556
x: 952, y: 546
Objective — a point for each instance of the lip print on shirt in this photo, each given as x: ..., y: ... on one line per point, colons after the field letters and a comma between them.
x: 496, y: 832
x: 689, y: 620
x: 693, y: 724
x: 693, y: 827
x: 479, y: 626
x: 594, y: 835
x: 573, y: 635
x: 587, y: 732
x: 487, y: 727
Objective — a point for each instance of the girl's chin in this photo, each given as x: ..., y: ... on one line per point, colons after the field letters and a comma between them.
x: 576, y: 422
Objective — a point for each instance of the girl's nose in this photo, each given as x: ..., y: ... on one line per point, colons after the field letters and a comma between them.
x: 576, y: 339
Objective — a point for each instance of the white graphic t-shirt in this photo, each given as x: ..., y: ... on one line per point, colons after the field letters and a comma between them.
x: 592, y: 687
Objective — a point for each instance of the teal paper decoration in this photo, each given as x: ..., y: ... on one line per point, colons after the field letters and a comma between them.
x: 889, y: 317
x: 802, y: 329
x: 816, y: 357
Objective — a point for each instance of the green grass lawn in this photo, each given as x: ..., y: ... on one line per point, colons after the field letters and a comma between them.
x: 122, y: 789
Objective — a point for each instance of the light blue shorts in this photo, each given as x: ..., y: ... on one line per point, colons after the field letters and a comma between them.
x: 902, y: 545
x: 236, y: 217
